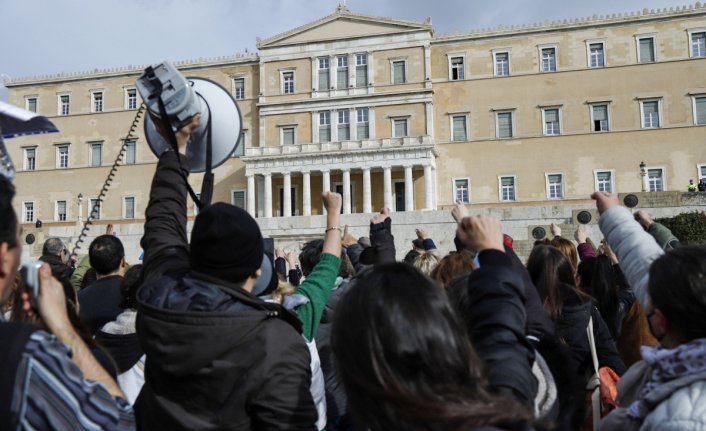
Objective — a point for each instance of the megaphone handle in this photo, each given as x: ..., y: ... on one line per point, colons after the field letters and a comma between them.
x: 207, y: 185
x: 175, y: 146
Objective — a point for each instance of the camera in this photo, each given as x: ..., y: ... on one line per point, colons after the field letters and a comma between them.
x: 30, y: 279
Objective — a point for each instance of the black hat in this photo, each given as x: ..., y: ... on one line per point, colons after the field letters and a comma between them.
x: 226, y: 243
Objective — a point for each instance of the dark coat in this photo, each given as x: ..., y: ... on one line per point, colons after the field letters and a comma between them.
x: 99, y: 303
x: 491, y: 304
x: 218, y: 358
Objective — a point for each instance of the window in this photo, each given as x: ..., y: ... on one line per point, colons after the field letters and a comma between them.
x: 458, y: 128
x: 462, y: 191
x: 550, y: 117
x: 604, y: 181
x: 94, y: 208
x: 288, y: 135
x: 399, y: 72
x: 324, y: 126
x: 130, y: 98
x: 28, y: 212
x: 698, y: 44
x: 361, y: 70
x: 60, y: 211
x: 288, y: 82
x: 555, y: 186
x: 456, y: 71
x: 596, y: 54
x: 599, y: 118
x: 504, y: 124
x: 655, y: 180
x: 129, y: 207
x: 399, y: 128
x: 507, y: 188
x: 362, y: 123
x: 62, y: 156
x: 240, y: 145
x: 548, y: 59
x: 344, y: 126
x: 31, y: 104
x: 130, y: 152
x: 64, y: 104
x: 97, y: 101
x: 700, y: 110
x: 323, y: 73
x: 96, y: 155
x: 501, y: 62
x: 702, y: 172
x: 239, y: 88
x: 646, y: 49
x: 650, y: 114
x: 341, y: 72
x: 30, y: 159
x: 237, y: 198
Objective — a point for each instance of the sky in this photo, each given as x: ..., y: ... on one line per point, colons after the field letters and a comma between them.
x: 42, y: 37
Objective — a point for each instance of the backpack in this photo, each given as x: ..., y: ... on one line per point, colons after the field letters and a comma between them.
x: 601, y: 389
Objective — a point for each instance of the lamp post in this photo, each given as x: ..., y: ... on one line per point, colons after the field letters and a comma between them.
x: 80, y: 212
x: 643, y: 175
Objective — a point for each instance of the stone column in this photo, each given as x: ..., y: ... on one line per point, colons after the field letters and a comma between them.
x: 326, y: 185
x: 367, y: 206
x: 251, y: 195
x: 428, y: 192
x: 306, y: 193
x: 268, y: 195
x: 408, y: 189
x: 287, y: 195
x: 387, y: 186
x: 346, y: 191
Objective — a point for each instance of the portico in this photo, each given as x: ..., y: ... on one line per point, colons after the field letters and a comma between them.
x: 370, y: 162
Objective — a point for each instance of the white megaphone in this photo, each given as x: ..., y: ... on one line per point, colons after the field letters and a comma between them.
x: 182, y: 99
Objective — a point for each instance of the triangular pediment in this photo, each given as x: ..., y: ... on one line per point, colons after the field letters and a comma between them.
x: 343, y: 24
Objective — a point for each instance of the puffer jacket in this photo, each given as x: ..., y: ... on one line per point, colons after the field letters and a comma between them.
x: 678, y: 405
x: 635, y: 248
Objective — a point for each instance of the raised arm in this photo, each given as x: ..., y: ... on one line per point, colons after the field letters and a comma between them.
x: 165, y: 242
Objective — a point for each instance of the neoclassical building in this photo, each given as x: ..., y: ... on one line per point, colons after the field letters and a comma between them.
x: 389, y: 113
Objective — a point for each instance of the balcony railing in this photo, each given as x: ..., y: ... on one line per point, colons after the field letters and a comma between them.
x: 365, y: 144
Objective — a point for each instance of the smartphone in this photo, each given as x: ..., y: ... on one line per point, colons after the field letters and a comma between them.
x: 30, y: 280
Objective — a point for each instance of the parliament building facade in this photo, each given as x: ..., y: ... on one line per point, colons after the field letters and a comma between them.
x: 388, y: 113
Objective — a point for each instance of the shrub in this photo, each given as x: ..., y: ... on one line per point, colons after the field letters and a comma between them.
x: 689, y: 227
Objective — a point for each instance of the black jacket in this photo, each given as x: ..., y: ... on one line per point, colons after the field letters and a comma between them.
x: 218, y: 358
x: 100, y: 302
x: 491, y: 303
x: 571, y: 329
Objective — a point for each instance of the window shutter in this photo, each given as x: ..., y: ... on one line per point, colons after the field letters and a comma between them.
x: 647, y: 50
x: 700, y: 104
x: 459, y: 128
x: 398, y: 72
x: 551, y: 115
x: 505, y: 124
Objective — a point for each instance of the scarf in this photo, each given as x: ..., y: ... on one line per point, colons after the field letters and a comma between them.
x: 666, y: 365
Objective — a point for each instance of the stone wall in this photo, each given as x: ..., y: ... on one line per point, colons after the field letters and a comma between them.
x: 518, y: 221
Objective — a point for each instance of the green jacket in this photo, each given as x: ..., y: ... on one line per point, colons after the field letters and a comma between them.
x: 317, y: 287
x: 664, y: 237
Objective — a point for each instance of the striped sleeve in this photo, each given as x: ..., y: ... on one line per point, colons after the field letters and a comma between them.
x: 51, y: 393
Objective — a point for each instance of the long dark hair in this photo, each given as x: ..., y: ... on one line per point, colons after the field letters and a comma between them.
x: 405, y: 359
x: 605, y: 289
x: 549, y: 268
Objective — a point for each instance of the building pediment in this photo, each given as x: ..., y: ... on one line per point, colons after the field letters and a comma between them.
x: 343, y: 24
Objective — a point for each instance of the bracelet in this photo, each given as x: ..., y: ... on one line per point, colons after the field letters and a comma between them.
x: 333, y: 228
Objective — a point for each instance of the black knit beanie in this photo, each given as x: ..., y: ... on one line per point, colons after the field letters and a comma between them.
x: 226, y: 243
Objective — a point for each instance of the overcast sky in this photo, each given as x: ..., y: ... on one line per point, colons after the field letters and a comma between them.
x: 51, y: 36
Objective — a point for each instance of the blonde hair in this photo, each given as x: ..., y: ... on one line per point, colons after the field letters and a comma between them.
x: 426, y: 262
x: 283, y: 289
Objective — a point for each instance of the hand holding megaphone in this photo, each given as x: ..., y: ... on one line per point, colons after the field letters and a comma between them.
x: 182, y: 135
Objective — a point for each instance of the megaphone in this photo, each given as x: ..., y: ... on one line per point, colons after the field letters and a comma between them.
x: 183, y: 98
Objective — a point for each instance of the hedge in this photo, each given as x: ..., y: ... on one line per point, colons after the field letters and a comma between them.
x: 689, y: 227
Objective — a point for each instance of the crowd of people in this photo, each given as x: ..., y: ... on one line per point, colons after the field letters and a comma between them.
x: 213, y: 332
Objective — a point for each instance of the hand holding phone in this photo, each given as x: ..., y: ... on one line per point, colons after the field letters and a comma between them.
x: 30, y: 280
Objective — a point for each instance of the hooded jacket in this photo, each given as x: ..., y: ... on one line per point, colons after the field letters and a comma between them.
x: 218, y: 358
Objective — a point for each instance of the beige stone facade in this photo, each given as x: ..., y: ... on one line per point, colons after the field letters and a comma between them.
x: 391, y: 114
